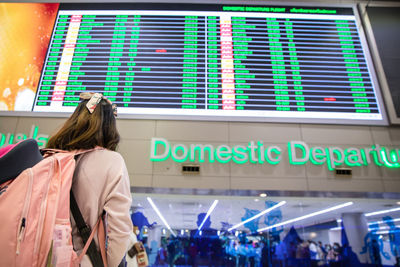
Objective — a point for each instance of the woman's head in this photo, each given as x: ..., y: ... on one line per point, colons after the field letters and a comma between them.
x: 92, y: 124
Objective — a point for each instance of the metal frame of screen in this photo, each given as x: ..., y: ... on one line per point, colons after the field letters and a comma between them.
x: 159, y: 114
x: 394, y: 119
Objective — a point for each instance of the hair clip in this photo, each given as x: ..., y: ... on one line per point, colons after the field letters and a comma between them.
x: 86, y: 95
x: 93, y: 101
x: 114, y: 109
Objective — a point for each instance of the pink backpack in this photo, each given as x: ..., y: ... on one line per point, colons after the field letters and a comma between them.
x: 35, y: 215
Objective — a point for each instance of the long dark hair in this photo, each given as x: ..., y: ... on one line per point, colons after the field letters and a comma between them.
x: 85, y: 130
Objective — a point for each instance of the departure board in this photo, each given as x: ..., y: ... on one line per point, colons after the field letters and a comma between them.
x: 213, y: 61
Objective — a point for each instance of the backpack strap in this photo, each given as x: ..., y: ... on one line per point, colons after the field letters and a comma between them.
x: 85, y: 232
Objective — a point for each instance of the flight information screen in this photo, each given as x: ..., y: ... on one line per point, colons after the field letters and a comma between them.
x: 213, y: 61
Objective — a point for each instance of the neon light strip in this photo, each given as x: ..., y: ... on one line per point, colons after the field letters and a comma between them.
x: 307, y: 216
x: 387, y: 232
x: 258, y: 215
x: 208, y: 213
x: 381, y: 222
x: 381, y: 212
x: 382, y: 228
x: 160, y: 215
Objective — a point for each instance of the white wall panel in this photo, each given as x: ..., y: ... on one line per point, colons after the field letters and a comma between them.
x: 336, y: 134
x: 8, y: 124
x: 136, y: 155
x: 390, y: 173
x: 46, y: 125
x: 135, y: 148
x: 268, y: 132
x: 191, y: 181
x: 394, y: 133
x: 392, y: 185
x: 349, y: 185
x: 169, y: 167
x: 140, y: 180
x: 281, y: 170
x: 192, y: 131
x: 136, y: 129
x: 257, y: 183
x: 381, y: 135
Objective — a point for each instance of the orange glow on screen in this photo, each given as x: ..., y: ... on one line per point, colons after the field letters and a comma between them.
x: 25, y: 31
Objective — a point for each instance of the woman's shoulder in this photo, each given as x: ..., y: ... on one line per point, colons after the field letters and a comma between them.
x: 105, y: 153
x: 104, y: 157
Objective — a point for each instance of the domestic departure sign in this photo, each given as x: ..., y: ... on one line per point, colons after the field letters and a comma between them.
x: 255, y: 152
x: 219, y: 62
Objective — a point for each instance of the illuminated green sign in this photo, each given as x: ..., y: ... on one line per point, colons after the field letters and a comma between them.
x: 312, y: 11
x: 253, y: 9
x: 278, y: 9
x: 299, y: 153
x: 9, y: 139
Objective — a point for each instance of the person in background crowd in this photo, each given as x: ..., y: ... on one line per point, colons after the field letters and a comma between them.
x: 376, y: 254
x: 313, y: 247
x: 303, y: 254
x: 265, y: 254
x: 232, y: 253
x: 337, y: 251
x: 251, y: 254
x: 171, y: 249
x: 374, y: 245
x: 161, y: 259
x: 330, y: 255
x: 394, y: 238
x: 153, y: 254
x: 336, y: 255
x: 258, y: 250
x: 101, y: 181
x: 321, y: 252
x: 313, y: 250
x: 242, y: 252
x: 281, y: 254
x: 192, y: 254
x: 292, y: 254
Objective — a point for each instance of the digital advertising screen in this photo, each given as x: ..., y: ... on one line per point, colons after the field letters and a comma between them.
x: 212, y: 62
x: 25, y: 31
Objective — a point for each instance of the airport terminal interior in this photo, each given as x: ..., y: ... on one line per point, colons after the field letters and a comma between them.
x: 263, y: 230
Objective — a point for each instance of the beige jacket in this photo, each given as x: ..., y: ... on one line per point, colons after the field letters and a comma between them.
x: 101, y: 182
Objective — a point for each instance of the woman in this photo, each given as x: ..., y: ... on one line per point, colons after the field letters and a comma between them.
x: 330, y: 254
x: 101, y: 181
